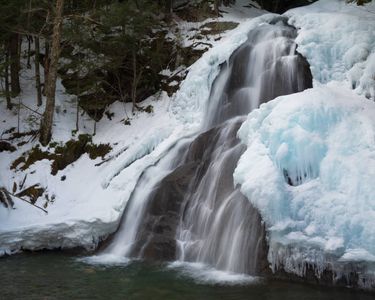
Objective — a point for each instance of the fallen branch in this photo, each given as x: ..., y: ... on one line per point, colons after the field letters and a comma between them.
x: 28, y: 202
x: 34, y: 111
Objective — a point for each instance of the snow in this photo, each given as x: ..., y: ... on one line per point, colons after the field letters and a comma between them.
x: 338, y: 40
x: 309, y: 168
x: 191, y: 99
x: 89, y: 203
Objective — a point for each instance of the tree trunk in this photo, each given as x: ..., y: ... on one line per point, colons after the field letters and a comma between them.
x: 216, y: 6
x: 46, y: 64
x: 134, y: 85
x: 77, y: 107
x: 29, y: 41
x: 47, y: 121
x: 7, y: 87
x: 37, y: 72
x: 14, y: 64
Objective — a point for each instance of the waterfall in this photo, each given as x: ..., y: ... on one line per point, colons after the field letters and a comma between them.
x: 263, y: 68
x: 186, y: 207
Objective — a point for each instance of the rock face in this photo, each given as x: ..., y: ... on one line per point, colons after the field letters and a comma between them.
x: 281, y: 6
x: 156, y: 238
x: 181, y: 197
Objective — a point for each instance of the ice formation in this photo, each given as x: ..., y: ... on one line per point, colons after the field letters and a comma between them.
x: 310, y: 161
x: 338, y: 40
x: 309, y: 168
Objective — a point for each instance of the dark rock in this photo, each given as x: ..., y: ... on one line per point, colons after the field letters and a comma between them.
x: 281, y: 6
x: 156, y: 237
x: 5, y: 146
x: 5, y: 198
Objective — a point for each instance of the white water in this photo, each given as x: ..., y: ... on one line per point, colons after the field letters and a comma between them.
x: 264, y: 67
x: 216, y: 225
x: 125, y: 238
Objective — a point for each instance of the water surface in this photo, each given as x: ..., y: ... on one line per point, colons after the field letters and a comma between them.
x: 54, y: 275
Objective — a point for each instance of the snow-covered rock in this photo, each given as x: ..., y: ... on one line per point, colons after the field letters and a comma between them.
x: 338, y: 40
x: 309, y: 168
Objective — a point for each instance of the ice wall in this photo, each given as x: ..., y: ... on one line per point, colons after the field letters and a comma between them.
x: 309, y: 168
x: 338, y: 40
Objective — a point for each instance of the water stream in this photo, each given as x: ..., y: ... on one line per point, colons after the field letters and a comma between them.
x: 186, y: 207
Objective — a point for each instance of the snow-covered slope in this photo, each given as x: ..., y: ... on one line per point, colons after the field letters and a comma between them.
x: 88, y: 204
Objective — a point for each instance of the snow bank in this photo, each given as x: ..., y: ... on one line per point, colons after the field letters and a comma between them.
x: 309, y: 168
x: 338, y: 40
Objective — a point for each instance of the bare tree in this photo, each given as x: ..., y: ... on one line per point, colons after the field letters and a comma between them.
x: 14, y: 46
x: 37, y: 72
x: 7, y: 87
x: 47, y: 121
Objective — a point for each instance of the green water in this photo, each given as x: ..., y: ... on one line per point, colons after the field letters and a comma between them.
x: 60, y: 276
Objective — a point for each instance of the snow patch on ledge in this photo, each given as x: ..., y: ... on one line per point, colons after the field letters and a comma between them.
x: 309, y: 168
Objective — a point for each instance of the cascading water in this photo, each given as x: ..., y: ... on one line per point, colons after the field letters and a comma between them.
x: 186, y: 207
x: 263, y: 68
x: 218, y: 225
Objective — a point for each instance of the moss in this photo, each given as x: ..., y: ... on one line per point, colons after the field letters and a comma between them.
x: 18, y: 161
x: 53, y: 145
x: 196, y: 13
x: 148, y: 109
x: 29, y: 158
x: 69, y: 153
x: 64, y: 155
x: 96, y: 151
x: 17, y: 135
x: 33, y: 193
x: 217, y: 27
x: 5, y: 146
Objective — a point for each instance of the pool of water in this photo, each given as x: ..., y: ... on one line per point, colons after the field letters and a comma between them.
x: 55, y: 275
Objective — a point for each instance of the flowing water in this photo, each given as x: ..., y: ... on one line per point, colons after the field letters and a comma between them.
x: 186, y: 207
x: 52, y: 276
